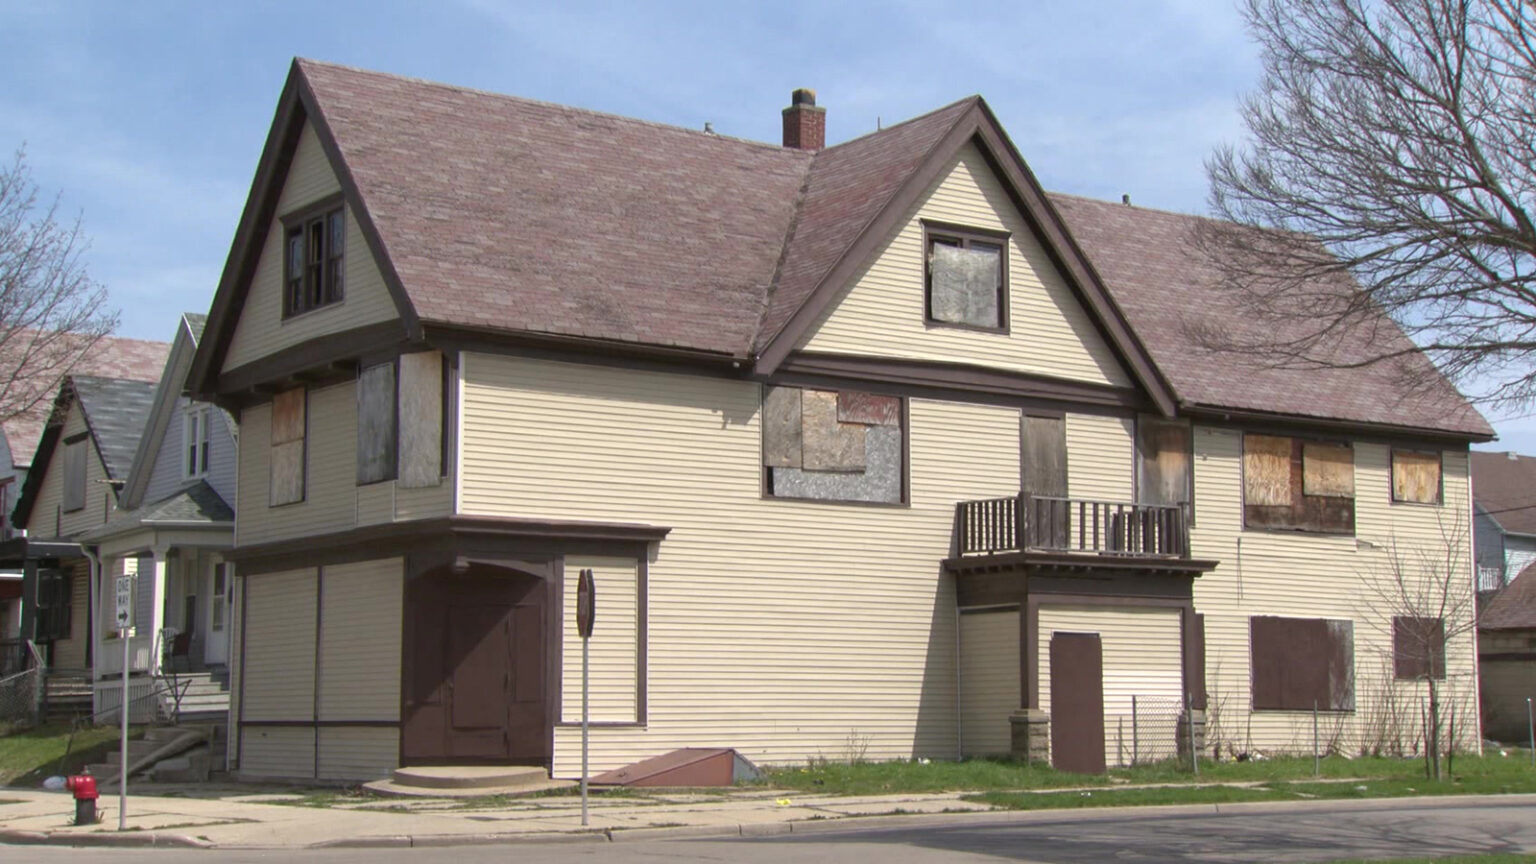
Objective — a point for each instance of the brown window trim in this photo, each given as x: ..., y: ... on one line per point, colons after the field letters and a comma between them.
x: 1298, y: 443
x: 1392, y: 480
x: 300, y: 219
x: 764, y: 483
x: 966, y: 234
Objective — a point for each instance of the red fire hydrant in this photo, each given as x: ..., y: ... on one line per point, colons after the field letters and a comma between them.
x: 84, y: 787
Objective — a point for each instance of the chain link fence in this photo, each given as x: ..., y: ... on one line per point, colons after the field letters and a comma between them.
x: 21, y: 696
x: 1146, y: 729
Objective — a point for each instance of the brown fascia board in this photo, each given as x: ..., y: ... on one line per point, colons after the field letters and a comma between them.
x: 582, y: 349
x: 1359, y: 430
x: 980, y: 125
x: 295, y: 105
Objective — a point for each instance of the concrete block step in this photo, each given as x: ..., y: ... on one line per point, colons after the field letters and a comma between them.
x: 466, y: 781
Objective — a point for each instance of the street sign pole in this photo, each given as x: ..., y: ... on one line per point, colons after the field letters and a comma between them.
x: 585, y: 606
x: 124, y: 630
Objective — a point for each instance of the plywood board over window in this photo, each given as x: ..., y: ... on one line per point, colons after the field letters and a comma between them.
x: 1327, y: 470
x: 376, y: 424
x: 1299, y: 664
x: 1418, y: 647
x: 1163, y: 464
x: 1416, y: 476
x: 422, y: 418
x: 74, y: 473
x: 1298, y: 485
x: 829, y: 445
x: 833, y: 445
x: 1266, y: 471
x: 289, y: 423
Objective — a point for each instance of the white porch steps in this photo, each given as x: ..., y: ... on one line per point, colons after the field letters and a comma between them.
x: 466, y: 781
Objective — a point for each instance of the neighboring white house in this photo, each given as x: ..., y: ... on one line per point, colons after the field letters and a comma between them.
x: 1504, y: 507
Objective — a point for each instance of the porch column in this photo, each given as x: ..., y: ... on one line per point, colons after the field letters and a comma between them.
x: 29, y: 599
x: 1030, y: 727
x: 157, y: 608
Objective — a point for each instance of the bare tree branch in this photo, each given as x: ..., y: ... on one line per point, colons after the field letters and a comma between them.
x: 1391, y: 165
x: 51, y: 313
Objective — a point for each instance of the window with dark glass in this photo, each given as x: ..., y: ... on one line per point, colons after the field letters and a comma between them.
x: 314, y: 261
x: 966, y: 277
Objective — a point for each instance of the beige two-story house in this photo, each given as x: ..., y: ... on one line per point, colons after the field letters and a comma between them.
x: 873, y: 449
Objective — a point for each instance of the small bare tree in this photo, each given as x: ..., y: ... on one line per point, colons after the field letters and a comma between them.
x: 51, y: 312
x: 1421, y: 600
x: 1392, y: 161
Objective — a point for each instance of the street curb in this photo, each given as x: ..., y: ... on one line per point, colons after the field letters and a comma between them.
x: 133, y: 839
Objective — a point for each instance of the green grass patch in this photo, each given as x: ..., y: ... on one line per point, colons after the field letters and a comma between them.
x: 29, y: 756
x: 1383, y: 777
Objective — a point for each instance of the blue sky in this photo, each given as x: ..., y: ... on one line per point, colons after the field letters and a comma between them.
x: 148, y: 118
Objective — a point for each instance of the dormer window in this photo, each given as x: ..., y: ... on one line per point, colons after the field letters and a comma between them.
x: 966, y: 277
x: 314, y: 259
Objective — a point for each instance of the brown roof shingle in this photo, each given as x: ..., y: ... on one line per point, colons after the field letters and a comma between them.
x: 1504, y: 486
x: 506, y: 214
x: 1514, y: 608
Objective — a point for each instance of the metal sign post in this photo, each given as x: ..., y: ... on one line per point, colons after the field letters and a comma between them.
x: 585, y: 606
x: 125, y: 633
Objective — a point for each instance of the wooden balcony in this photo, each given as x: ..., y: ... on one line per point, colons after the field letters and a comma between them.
x: 1073, y: 526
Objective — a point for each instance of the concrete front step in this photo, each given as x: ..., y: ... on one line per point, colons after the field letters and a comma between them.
x: 462, y: 781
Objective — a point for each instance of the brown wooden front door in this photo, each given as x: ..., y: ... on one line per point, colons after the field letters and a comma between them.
x: 474, y: 689
x: 1077, y: 703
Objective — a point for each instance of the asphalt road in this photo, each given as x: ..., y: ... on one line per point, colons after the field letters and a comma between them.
x: 1395, y: 830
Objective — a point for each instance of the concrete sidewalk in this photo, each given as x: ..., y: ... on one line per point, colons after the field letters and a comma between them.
x: 232, y: 818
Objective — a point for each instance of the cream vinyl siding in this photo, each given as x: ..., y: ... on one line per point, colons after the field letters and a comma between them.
x: 1321, y: 576
x: 47, y: 518
x: 989, y: 680
x: 1101, y: 457
x: 279, y: 673
x: 360, y: 623
x: 261, y: 330
x: 615, y: 655
x: 882, y: 313
x: 784, y: 628
x: 360, y: 753
x: 332, y: 499
x: 1142, y: 658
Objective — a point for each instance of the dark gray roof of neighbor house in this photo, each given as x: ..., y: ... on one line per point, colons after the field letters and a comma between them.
x: 1504, y: 487
x: 194, y: 504
x: 116, y: 410
x: 1514, y: 608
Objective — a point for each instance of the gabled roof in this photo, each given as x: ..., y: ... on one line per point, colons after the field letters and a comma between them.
x: 1514, y: 608
x: 1504, y: 487
x: 168, y: 391
x: 115, y: 411
x: 496, y: 215
x: 109, y: 357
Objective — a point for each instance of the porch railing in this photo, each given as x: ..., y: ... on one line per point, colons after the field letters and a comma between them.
x: 1072, y: 525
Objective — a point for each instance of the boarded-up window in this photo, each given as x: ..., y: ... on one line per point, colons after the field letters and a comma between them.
x: 1043, y: 455
x: 1327, y: 470
x: 1416, y: 476
x: 967, y: 279
x: 1301, y: 663
x: 1301, y: 485
x: 833, y: 445
x: 1418, y: 647
x: 1163, y: 467
x: 376, y: 424
x: 422, y: 419
x: 289, y: 423
x: 74, y: 473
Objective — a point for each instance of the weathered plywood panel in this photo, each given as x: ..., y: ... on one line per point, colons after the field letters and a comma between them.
x: 421, y: 419
x: 1327, y: 470
x: 262, y: 330
x: 1163, y: 462
x: 1045, y: 455
x: 376, y: 423
x: 1266, y: 470
x: 989, y: 681
x: 782, y: 424
x: 882, y: 313
x: 829, y: 445
x: 615, y: 648
x: 287, y: 480
x: 868, y: 408
x: 1415, y: 476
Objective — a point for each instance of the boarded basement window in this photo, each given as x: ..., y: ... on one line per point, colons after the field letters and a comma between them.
x: 1418, y: 648
x: 1164, y: 474
x: 422, y: 419
x: 288, y: 427
x: 74, y: 473
x: 1299, y: 663
x: 377, y: 424
x: 1300, y: 485
x: 1416, y: 477
x: 833, y: 445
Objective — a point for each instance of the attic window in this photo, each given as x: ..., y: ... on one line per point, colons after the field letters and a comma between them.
x: 74, y: 474
x: 966, y: 277
x: 195, y: 440
x: 314, y: 258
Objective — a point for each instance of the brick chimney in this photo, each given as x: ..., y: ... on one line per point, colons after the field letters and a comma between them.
x: 805, y: 125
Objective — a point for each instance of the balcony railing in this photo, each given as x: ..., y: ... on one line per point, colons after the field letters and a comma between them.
x: 1072, y: 525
